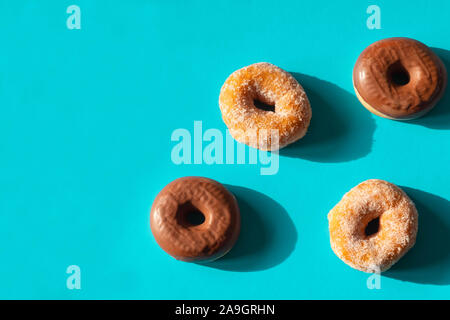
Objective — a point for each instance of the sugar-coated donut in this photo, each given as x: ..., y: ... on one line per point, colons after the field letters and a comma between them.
x: 361, y: 208
x: 195, y: 242
x: 399, y: 78
x: 262, y: 128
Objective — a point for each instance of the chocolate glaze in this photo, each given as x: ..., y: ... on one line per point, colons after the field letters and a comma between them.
x: 204, y: 242
x: 399, y: 77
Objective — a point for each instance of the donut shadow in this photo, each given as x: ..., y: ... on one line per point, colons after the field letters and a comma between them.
x: 341, y: 129
x: 439, y: 116
x: 268, y: 235
x: 428, y: 262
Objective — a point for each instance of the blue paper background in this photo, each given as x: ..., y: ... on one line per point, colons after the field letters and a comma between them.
x: 85, y: 123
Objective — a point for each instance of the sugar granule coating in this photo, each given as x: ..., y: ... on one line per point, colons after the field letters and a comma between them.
x: 264, y: 130
x: 397, y: 231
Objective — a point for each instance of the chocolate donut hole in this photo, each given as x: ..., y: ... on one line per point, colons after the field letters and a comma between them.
x: 397, y: 74
x: 372, y: 227
x: 195, y: 218
x: 189, y: 216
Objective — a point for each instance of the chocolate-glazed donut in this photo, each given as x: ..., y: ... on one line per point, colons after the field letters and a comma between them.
x: 194, y: 242
x: 399, y: 78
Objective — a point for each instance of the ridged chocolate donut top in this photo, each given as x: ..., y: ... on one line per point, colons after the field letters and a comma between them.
x: 399, y: 77
x: 206, y: 241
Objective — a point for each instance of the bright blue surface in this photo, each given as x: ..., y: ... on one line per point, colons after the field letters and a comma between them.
x: 86, y: 118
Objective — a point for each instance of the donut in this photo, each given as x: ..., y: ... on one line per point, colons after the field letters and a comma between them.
x: 373, y: 226
x: 264, y: 83
x: 399, y: 78
x: 201, y: 240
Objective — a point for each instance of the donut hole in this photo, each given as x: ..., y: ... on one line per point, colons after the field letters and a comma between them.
x: 189, y: 215
x: 263, y: 106
x: 372, y: 227
x: 195, y: 218
x: 397, y: 74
